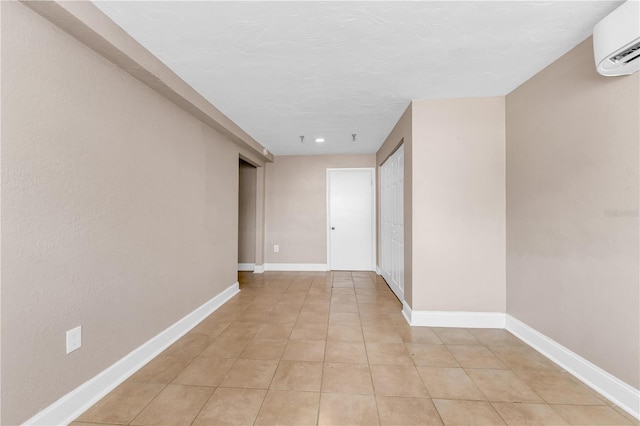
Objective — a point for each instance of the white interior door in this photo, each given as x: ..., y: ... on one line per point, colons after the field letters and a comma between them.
x: 392, y: 221
x: 350, y: 196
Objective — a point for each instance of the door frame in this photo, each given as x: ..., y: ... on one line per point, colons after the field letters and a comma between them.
x: 374, y: 248
x: 259, y: 249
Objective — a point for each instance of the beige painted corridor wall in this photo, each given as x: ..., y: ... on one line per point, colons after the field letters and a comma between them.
x: 119, y: 212
x: 572, y: 210
x: 296, y: 205
x: 459, y: 205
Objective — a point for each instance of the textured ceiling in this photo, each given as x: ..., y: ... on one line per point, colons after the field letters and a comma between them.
x: 330, y: 69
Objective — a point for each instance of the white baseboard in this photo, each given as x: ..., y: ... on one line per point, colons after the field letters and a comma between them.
x: 406, y: 312
x: 620, y: 393
x: 378, y: 270
x: 76, y: 402
x: 259, y: 269
x: 453, y: 318
x: 248, y: 267
x: 313, y: 267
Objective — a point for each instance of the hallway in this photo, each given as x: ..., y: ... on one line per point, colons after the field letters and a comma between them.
x: 333, y: 348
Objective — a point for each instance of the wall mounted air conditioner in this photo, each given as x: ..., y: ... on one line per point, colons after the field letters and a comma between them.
x: 616, y: 40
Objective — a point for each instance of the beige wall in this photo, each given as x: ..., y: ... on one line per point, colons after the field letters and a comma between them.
x: 572, y: 203
x: 119, y: 212
x: 248, y: 175
x: 296, y: 205
x: 459, y: 205
x: 402, y: 132
x: 454, y: 203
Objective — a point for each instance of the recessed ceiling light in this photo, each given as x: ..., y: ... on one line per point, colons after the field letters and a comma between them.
x: 319, y: 140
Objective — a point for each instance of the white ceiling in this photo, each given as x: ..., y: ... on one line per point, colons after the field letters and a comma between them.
x: 330, y: 69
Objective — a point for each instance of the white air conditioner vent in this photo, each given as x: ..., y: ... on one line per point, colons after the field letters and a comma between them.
x: 623, y: 56
x: 616, y: 41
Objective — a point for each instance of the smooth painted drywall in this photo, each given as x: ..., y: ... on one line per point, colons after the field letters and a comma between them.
x: 119, y: 212
x: 402, y: 132
x: 84, y: 21
x: 247, y: 176
x: 296, y: 205
x: 572, y: 210
x: 459, y: 205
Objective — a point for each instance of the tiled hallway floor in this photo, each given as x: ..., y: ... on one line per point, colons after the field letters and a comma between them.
x: 333, y: 348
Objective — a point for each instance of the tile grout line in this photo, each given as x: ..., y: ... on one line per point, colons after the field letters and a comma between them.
x: 324, y: 356
x: 513, y: 372
x: 280, y: 359
x: 146, y: 405
x: 203, y: 405
x: 366, y: 351
x: 216, y: 387
x: 422, y: 378
x: 210, y: 396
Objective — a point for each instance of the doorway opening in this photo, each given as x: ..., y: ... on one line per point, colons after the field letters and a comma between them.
x: 247, y: 187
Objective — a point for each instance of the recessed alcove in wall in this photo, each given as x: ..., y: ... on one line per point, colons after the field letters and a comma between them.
x: 247, y: 187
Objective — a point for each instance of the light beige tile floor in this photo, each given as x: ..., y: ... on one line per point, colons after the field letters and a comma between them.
x: 333, y: 348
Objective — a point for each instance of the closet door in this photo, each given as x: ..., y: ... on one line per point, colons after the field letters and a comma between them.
x: 392, y: 221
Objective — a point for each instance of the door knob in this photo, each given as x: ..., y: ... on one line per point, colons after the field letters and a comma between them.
x: 333, y: 228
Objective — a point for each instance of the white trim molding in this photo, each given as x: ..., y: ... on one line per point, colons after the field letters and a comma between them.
x: 378, y: 270
x: 76, y: 402
x: 406, y: 311
x: 259, y: 269
x: 301, y: 267
x: 620, y: 393
x: 246, y: 267
x: 453, y: 319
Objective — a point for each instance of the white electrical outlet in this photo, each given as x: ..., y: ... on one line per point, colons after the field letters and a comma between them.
x: 276, y: 248
x: 74, y: 339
